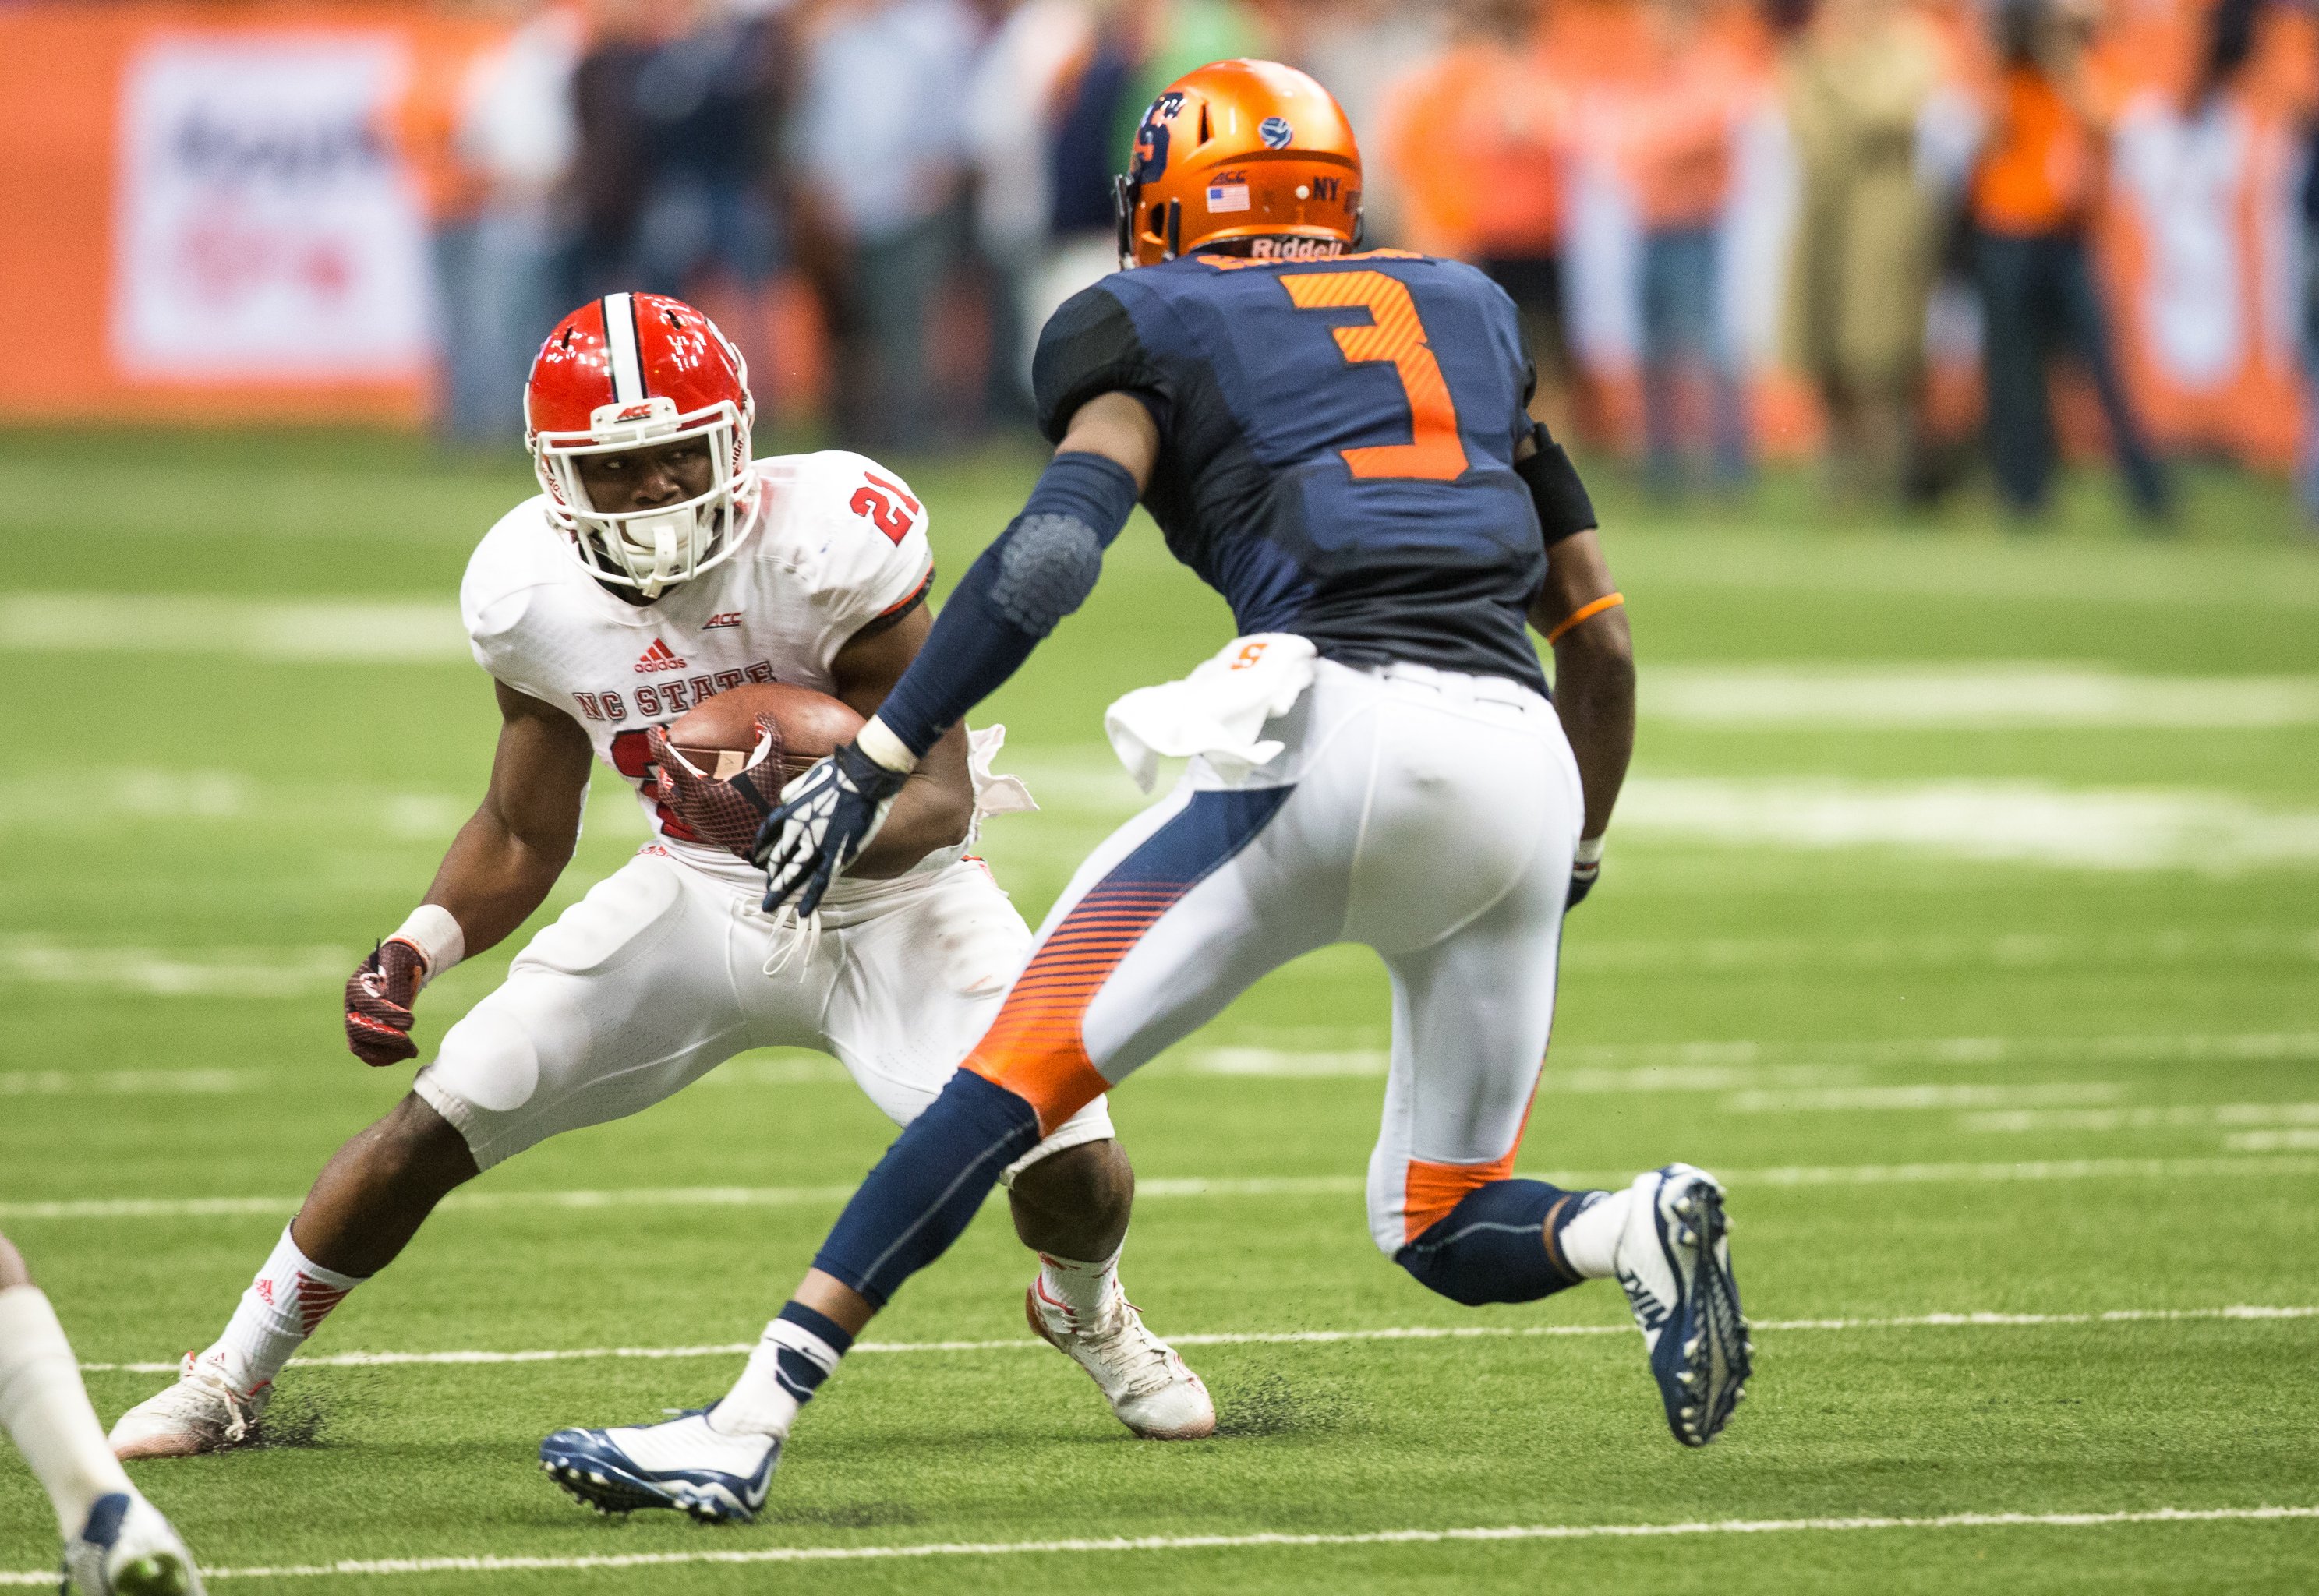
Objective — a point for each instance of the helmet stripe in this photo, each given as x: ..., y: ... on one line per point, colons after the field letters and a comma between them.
x: 620, y: 339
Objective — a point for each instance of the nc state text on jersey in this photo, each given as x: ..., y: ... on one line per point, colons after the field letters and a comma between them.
x: 673, y: 696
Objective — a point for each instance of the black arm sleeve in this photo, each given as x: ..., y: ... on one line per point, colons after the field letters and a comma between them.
x: 1039, y: 570
x: 1563, y: 509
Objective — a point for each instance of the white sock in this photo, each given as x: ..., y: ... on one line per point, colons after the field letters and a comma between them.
x: 789, y: 1364
x: 1590, y: 1241
x: 45, y: 1407
x: 283, y: 1305
x: 1086, y: 1291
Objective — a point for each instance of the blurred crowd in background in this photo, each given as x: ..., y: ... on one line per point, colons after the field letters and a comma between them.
x: 1878, y: 230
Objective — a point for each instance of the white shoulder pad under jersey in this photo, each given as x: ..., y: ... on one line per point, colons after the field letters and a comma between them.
x: 847, y: 531
x: 836, y: 542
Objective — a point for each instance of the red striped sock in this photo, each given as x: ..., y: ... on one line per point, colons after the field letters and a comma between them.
x: 284, y: 1304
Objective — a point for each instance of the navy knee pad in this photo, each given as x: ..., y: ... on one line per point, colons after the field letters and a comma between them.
x: 1491, y: 1248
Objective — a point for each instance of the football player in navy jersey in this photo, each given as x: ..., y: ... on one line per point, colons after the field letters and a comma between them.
x: 1337, y: 441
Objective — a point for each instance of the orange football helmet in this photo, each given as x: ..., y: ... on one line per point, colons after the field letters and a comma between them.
x: 1241, y: 149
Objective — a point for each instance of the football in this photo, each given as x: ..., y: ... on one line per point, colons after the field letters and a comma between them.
x: 719, y: 733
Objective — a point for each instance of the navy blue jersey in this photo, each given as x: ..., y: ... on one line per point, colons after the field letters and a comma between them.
x: 1337, y: 443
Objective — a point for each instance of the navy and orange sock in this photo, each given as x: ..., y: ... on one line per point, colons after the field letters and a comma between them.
x: 1498, y: 1245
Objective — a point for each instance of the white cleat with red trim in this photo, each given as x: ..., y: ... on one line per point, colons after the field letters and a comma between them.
x: 1146, y: 1382
x: 204, y: 1411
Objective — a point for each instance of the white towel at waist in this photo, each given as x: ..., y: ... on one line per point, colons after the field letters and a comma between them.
x: 993, y: 793
x: 1217, y: 711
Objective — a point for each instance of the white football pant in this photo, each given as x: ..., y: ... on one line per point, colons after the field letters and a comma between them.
x: 660, y: 974
x: 1429, y: 815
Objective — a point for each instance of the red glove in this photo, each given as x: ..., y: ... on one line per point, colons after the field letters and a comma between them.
x: 379, y: 995
x: 725, y: 813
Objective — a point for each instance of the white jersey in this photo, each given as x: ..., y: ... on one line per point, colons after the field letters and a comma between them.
x: 836, y: 542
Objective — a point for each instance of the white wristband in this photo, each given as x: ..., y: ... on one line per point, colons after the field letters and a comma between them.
x: 881, y: 745
x: 437, y: 937
x: 1590, y: 850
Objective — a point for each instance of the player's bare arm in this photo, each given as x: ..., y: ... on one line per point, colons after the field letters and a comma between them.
x: 1593, y: 669
x: 497, y: 870
x: 1117, y: 426
x: 937, y: 803
x: 505, y: 860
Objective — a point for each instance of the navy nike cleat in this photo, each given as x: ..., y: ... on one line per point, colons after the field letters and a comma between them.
x: 1676, y: 1264
x: 684, y: 1464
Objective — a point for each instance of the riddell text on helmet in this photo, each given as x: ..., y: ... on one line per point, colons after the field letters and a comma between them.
x: 1269, y: 247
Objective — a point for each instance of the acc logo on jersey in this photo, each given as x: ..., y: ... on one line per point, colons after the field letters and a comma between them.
x: 1275, y: 132
x: 730, y: 618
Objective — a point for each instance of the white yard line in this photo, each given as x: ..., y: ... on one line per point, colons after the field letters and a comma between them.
x: 740, y: 1196
x: 1977, y: 697
x: 316, y: 630
x: 2022, y: 821
x: 2181, y: 1116
x: 1883, y: 1099
x: 1721, y: 1066
x: 2024, y: 949
x: 2300, y: 1140
x: 1423, y: 1332
x: 1261, y: 1540
x: 126, y: 1083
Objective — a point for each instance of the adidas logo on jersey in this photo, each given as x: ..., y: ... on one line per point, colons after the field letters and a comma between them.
x: 658, y: 657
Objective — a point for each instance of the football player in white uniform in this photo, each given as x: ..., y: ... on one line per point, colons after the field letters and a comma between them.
x: 115, y: 1542
x: 658, y: 568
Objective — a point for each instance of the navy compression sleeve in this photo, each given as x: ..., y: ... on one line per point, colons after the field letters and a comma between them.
x: 1039, y: 570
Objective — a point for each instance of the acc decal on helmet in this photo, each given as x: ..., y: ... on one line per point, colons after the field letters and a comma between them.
x: 1240, y: 149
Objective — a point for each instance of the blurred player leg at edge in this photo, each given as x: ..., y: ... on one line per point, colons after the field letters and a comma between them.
x: 660, y: 567
x: 1375, y: 758
x: 116, y: 1544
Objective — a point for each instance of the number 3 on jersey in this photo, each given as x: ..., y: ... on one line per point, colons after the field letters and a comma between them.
x: 1435, y: 451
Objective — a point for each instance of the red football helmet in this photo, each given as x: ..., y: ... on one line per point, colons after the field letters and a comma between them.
x: 626, y: 372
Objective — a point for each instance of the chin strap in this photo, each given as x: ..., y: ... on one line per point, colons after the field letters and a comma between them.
x: 663, y: 559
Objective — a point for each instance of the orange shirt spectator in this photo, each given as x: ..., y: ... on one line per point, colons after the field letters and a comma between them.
x: 1473, y: 140
x: 1675, y: 143
x: 2038, y: 174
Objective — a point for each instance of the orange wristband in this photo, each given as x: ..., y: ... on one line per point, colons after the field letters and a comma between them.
x: 1583, y: 613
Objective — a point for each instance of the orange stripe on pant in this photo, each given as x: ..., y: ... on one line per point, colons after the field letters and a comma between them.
x: 1429, y: 1190
x: 1037, y: 1047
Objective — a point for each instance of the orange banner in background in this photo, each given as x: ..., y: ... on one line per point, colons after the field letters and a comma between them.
x: 221, y: 214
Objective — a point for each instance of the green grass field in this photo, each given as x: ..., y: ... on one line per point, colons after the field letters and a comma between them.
x: 1964, y: 913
